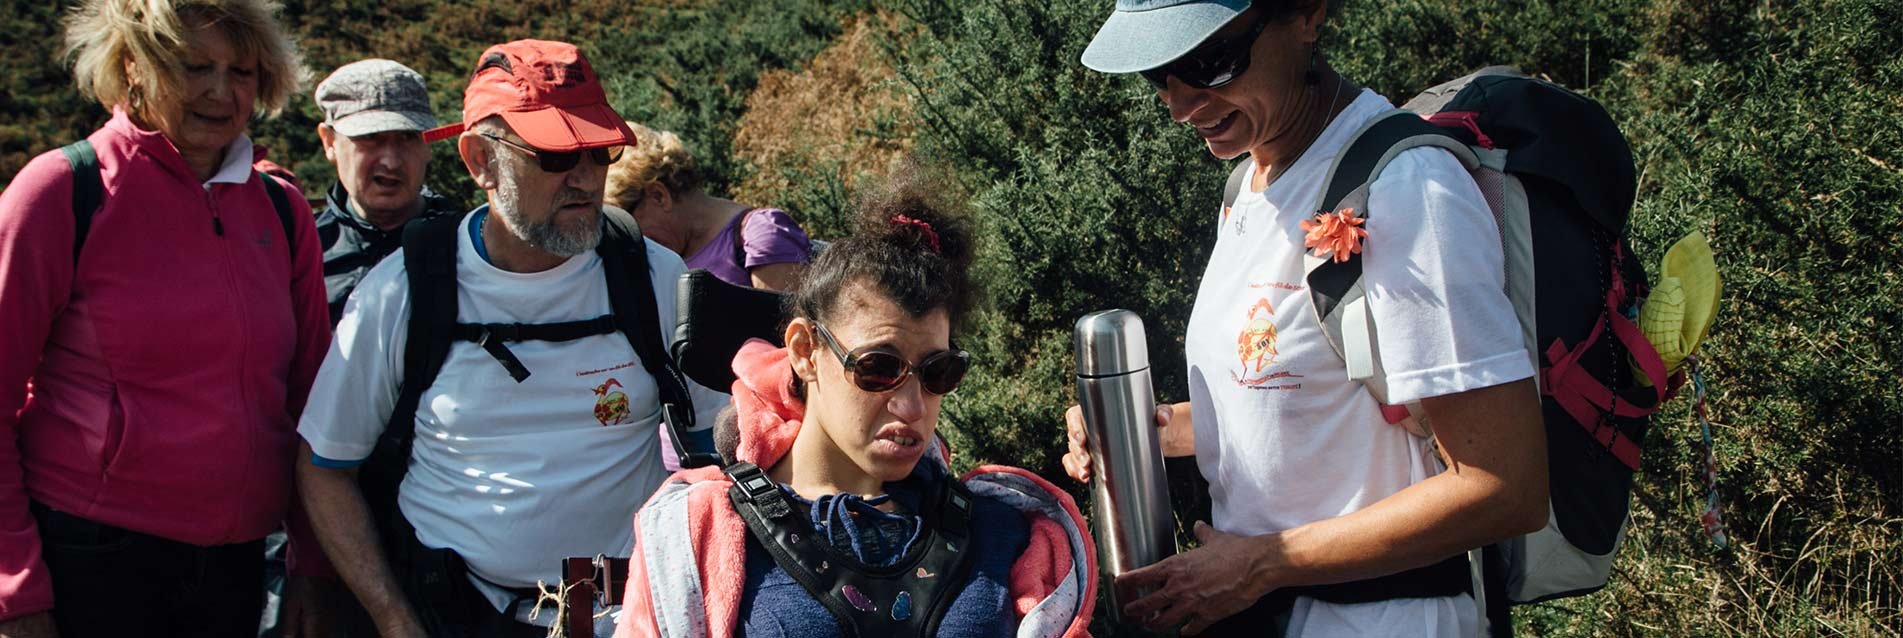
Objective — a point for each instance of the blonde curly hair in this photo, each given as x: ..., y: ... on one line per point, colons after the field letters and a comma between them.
x: 656, y: 156
x: 103, y: 36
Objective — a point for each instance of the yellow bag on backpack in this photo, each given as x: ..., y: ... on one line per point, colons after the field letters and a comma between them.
x: 1678, y: 314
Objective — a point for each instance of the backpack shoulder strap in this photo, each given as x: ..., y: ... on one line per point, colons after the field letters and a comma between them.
x: 1378, y: 143
x: 624, y: 256
x: 89, y: 190
x: 1233, y: 188
x: 1336, y: 285
x: 282, y: 204
x: 429, y: 263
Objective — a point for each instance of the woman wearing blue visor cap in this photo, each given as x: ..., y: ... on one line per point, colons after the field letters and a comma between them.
x: 1333, y: 515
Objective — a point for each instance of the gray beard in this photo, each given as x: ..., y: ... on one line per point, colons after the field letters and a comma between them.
x: 546, y: 236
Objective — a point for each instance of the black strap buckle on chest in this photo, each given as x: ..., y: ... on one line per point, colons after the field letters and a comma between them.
x: 907, y: 598
x: 493, y: 336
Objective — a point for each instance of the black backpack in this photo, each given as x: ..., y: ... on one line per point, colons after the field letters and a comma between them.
x: 1560, y: 180
x: 89, y: 193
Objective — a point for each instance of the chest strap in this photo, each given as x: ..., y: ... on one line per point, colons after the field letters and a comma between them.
x: 493, y: 337
x: 908, y: 598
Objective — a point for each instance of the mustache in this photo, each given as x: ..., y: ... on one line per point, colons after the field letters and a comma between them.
x: 576, y: 196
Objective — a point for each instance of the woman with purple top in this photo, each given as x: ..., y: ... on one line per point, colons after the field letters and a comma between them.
x: 660, y: 183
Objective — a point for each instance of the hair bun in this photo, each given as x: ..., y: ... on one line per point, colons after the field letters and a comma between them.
x: 907, y: 241
x: 907, y: 212
x: 924, y: 229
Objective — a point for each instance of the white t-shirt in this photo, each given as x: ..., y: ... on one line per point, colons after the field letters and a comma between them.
x: 512, y: 476
x: 1282, y: 434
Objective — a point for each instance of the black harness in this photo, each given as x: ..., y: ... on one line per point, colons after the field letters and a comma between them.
x: 908, y: 598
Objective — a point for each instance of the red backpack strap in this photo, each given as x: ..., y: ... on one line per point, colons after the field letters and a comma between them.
x: 1586, y: 399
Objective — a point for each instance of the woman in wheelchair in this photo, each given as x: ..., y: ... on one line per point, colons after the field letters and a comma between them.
x: 837, y: 514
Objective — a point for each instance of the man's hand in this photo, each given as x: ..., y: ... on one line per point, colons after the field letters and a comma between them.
x: 1196, y: 588
x: 342, y: 522
x: 309, y: 608
x: 405, y: 627
x: 38, y: 625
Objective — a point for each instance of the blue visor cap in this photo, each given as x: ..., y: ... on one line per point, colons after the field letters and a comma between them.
x: 1144, y: 34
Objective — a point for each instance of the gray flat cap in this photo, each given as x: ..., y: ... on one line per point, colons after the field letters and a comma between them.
x: 1144, y: 34
x: 374, y: 96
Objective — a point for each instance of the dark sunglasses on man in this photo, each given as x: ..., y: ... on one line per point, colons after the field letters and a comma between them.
x: 562, y: 162
x: 882, y: 369
x: 1212, y: 64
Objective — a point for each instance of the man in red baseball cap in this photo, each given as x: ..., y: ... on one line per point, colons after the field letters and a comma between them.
x: 541, y: 102
x: 519, y: 425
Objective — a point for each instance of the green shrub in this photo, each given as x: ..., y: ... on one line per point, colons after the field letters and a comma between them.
x: 1770, y: 126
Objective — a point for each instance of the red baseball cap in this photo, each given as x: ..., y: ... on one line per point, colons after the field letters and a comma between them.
x: 548, y: 93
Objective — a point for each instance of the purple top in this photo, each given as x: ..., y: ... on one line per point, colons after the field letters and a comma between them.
x: 767, y: 236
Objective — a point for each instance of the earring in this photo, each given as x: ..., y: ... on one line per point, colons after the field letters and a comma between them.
x: 1312, y: 77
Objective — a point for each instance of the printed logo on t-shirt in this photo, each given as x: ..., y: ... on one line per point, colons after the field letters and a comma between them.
x: 1256, y: 350
x: 611, y: 406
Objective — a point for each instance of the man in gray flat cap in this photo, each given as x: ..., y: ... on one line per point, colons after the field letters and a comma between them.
x: 375, y: 112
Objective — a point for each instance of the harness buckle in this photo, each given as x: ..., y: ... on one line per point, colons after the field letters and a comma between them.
x: 488, y: 338
x: 760, y: 490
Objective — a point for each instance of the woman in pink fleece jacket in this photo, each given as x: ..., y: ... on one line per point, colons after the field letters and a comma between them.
x: 152, y: 359
x: 841, y: 517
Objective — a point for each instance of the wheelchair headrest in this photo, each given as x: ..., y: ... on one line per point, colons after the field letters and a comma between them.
x: 715, y: 318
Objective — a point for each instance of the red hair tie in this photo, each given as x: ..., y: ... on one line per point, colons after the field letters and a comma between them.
x: 931, y: 236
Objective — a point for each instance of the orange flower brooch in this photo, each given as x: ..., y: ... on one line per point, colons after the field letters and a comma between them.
x: 1334, y: 235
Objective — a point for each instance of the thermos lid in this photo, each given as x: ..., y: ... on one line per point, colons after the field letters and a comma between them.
x: 1110, y: 343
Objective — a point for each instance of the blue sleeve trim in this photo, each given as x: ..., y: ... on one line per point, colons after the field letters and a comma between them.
x: 334, y: 464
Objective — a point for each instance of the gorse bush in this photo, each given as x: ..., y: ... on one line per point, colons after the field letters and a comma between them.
x: 843, y: 116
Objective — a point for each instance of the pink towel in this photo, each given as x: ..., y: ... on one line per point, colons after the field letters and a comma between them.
x: 769, y: 414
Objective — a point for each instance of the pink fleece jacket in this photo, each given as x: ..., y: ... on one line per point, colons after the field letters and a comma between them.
x: 152, y: 387
x: 689, y: 564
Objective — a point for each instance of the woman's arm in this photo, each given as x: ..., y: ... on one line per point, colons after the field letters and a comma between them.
x: 36, y: 279
x: 1494, y: 489
x: 781, y: 277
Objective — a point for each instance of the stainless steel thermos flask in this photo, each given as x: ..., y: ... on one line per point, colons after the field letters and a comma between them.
x: 1130, y: 490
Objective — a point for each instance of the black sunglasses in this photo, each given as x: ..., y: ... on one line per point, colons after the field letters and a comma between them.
x: 1212, y: 64
x: 880, y: 369
x: 562, y: 162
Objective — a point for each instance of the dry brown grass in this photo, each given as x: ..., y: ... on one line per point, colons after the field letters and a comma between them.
x: 841, y: 115
x: 1845, y: 579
